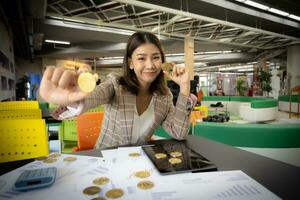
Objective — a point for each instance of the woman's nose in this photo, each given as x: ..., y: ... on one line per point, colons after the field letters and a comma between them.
x: 149, y: 64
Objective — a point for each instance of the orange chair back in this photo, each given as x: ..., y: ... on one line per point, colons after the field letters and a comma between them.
x: 88, y: 129
x: 195, y: 115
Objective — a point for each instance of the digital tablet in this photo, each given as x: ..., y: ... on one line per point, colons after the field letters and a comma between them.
x: 171, y: 156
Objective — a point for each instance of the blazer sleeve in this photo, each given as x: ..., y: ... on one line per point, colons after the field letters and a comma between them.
x: 177, y: 121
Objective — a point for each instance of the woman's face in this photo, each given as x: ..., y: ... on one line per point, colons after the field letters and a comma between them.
x: 146, y: 62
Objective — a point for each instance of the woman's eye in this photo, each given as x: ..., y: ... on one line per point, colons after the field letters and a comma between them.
x: 141, y: 59
x: 156, y: 57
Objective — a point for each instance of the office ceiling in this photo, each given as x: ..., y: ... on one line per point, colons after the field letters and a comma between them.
x: 98, y: 28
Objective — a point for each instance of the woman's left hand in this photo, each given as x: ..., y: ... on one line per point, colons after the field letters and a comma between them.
x: 180, y: 76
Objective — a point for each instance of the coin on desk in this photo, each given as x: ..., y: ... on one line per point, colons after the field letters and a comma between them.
x: 101, y: 181
x: 175, y: 154
x: 145, y: 185
x: 175, y: 161
x: 160, y: 155
x: 55, y: 155
x: 69, y: 159
x: 98, y: 198
x: 142, y: 174
x: 114, y: 193
x: 91, y: 190
x: 42, y: 158
x: 50, y: 160
x: 134, y: 154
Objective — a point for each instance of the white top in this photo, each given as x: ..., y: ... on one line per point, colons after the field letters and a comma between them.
x: 142, y: 122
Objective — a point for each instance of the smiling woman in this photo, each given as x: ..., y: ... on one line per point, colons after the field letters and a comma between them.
x: 136, y: 102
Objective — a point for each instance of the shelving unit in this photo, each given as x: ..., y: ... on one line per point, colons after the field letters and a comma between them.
x: 7, y: 66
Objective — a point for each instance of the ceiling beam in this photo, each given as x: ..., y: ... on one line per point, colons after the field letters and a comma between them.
x: 201, y: 17
x: 253, y: 12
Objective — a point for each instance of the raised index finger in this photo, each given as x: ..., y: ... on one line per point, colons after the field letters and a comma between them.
x: 48, y: 73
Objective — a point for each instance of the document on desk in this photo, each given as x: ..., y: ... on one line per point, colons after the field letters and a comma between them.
x: 129, y: 170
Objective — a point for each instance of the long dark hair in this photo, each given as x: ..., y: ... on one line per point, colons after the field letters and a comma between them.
x: 129, y: 79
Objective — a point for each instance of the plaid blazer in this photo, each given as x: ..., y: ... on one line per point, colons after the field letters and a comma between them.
x: 119, y: 109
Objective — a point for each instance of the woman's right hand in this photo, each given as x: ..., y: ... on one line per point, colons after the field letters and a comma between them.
x: 59, y: 86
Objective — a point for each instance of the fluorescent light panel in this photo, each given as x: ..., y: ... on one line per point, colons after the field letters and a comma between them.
x: 256, y: 5
x: 279, y: 12
x: 57, y: 42
x: 294, y: 17
x: 273, y: 10
x: 67, y: 19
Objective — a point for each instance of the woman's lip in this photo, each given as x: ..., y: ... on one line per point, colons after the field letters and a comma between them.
x: 149, y: 72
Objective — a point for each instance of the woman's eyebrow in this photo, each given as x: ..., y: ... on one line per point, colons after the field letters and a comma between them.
x: 156, y: 54
x: 143, y: 54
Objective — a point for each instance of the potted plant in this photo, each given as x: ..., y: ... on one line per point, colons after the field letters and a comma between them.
x: 265, y: 80
x: 241, y: 86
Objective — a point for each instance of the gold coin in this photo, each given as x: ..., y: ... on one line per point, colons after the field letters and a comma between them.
x: 70, y: 159
x: 114, y: 193
x: 87, y: 82
x: 98, y: 198
x: 145, y: 185
x: 134, y: 154
x: 167, y: 67
x: 142, y: 174
x: 160, y: 155
x: 55, y: 155
x: 174, y: 161
x: 175, y: 154
x: 91, y: 190
x: 50, y: 160
x: 41, y: 158
x: 101, y: 181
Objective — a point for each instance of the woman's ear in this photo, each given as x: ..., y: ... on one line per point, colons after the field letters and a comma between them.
x: 130, y: 63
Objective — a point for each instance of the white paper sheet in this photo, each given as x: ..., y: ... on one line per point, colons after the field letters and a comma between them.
x: 119, y: 167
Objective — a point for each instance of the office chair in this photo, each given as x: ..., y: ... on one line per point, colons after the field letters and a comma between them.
x: 88, y: 129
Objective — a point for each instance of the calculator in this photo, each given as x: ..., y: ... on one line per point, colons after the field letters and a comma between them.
x: 35, y: 178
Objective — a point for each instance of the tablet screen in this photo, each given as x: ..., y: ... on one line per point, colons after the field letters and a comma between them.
x: 171, y: 156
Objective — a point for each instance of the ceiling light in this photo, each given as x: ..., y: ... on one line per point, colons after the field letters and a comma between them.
x: 245, y: 70
x: 279, y: 12
x: 294, y: 17
x: 67, y: 19
x: 57, y: 42
x: 256, y: 5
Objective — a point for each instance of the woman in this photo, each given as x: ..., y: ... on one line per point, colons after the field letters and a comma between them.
x: 136, y: 103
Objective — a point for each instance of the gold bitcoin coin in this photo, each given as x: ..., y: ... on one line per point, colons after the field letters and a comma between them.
x: 145, y: 185
x: 160, y: 155
x: 175, y: 161
x: 87, y: 81
x: 41, y: 158
x: 98, y: 198
x: 134, y: 154
x: 50, y: 160
x: 101, y: 181
x: 114, y: 193
x: 175, y: 154
x: 55, y: 155
x: 142, y: 174
x: 167, y: 67
x: 91, y: 190
x: 70, y: 159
